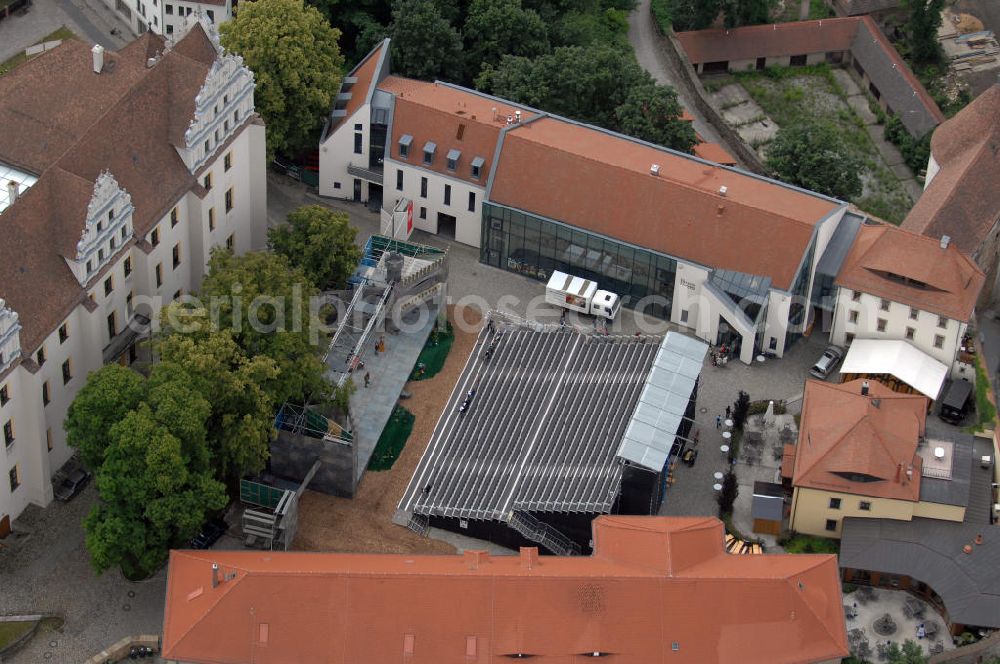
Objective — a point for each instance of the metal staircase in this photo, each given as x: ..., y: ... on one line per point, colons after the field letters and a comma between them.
x: 541, y: 532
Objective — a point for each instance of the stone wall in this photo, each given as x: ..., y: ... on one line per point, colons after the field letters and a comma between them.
x: 684, y: 75
x: 292, y: 455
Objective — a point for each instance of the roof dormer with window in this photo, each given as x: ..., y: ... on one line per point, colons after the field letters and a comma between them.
x: 108, y: 227
x: 10, y: 336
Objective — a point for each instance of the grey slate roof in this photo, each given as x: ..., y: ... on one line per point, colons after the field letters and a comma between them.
x: 954, y: 491
x: 650, y: 434
x: 930, y: 550
x: 542, y: 431
x: 839, y: 245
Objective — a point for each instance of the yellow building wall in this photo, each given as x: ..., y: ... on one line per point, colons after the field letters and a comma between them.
x: 811, y: 509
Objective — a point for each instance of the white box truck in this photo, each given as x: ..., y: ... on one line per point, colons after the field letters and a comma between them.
x: 565, y: 290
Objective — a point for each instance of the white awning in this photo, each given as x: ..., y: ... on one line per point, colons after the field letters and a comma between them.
x: 898, y: 358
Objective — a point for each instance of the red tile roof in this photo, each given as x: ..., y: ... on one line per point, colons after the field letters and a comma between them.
x: 440, y: 113
x: 601, y: 182
x: 963, y: 201
x: 365, y: 72
x: 759, y: 41
x: 714, y: 152
x: 953, y: 279
x: 843, y: 431
x: 68, y: 124
x: 652, y: 582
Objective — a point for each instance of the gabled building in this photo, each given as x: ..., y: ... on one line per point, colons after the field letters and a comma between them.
x: 121, y: 172
x: 896, y: 285
x: 863, y: 451
x: 656, y: 589
x: 961, y: 199
x: 168, y: 17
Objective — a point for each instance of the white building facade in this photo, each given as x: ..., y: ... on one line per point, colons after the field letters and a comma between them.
x: 167, y: 17
x: 125, y: 278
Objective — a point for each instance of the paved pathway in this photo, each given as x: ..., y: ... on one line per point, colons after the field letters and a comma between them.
x: 90, y: 20
x: 643, y: 37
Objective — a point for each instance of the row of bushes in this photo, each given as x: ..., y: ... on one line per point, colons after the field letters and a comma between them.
x: 915, y: 150
x: 661, y: 14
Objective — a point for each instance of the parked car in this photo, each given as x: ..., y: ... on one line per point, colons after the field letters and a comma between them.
x: 955, y: 400
x: 73, y: 484
x: 210, y: 534
x: 828, y: 362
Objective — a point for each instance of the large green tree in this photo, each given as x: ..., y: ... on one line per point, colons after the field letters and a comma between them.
x: 268, y: 306
x: 925, y: 19
x: 108, y: 395
x: 240, y: 425
x: 424, y: 44
x: 693, y: 14
x: 296, y: 60
x: 910, y: 653
x: 590, y: 84
x: 813, y: 156
x: 320, y: 242
x: 494, y: 28
x: 651, y: 112
x: 155, y: 482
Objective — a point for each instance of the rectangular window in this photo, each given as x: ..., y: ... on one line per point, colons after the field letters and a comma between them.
x: 174, y: 218
x: 914, y: 313
x: 684, y: 315
x: 207, y: 182
x: 159, y: 274
x: 45, y: 393
x: 90, y: 268
x: 884, y: 305
x: 910, y: 332
x: 423, y: 213
x: 208, y: 148
x: 124, y: 232
x: 399, y: 180
x: 358, y: 143
x: 865, y: 506
x: 831, y: 525
x: 63, y: 333
x: 835, y: 503
x: 67, y: 372
x: 170, y: 29
x: 423, y: 187
x: 227, y: 161
x: 128, y: 266
x: 109, y: 285
x: 447, y: 194
x: 154, y: 237
x: 849, y: 338
x: 15, y: 480
x: 211, y: 15
x: 881, y: 324
x: 170, y: 10
x: 8, y: 432
x: 48, y: 439
x: 472, y: 201
x: 852, y: 316
x: 40, y: 356
x: 176, y: 255
x: 211, y: 219
x: 938, y: 341
x: 452, y: 164
x: 229, y: 200
x: 4, y: 395
x: 856, y: 296
x: 942, y: 322
x: 112, y: 324
x: 428, y: 156
x: 128, y: 304
x: 404, y: 150
x: 231, y: 241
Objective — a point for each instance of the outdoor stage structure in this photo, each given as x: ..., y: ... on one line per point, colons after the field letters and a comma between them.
x: 549, y: 427
x: 393, y: 278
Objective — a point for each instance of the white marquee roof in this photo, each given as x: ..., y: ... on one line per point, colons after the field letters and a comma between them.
x: 899, y: 358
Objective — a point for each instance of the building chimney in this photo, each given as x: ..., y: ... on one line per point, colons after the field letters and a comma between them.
x: 517, y: 116
x: 979, y: 538
x: 864, y: 389
x: 13, y: 191
x: 722, y: 190
x: 967, y: 549
x: 945, y: 241
x: 473, y: 559
x: 529, y: 557
x: 215, y: 574
x: 98, y: 53
x: 654, y: 169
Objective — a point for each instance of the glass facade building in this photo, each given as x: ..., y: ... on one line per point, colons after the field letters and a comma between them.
x: 524, y: 243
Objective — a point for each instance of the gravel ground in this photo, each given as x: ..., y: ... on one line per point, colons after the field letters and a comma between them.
x: 364, y: 523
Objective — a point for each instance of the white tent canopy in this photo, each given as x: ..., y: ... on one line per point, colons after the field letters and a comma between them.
x: 899, y: 358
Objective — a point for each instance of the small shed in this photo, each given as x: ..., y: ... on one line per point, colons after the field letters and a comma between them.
x: 768, y: 508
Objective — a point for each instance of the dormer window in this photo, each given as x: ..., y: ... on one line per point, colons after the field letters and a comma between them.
x: 453, y: 157
x: 404, y: 146
x: 111, y: 215
x: 477, y: 167
x: 429, y: 148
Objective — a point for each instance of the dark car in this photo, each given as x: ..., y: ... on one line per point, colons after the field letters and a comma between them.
x: 955, y: 401
x: 72, y: 485
x: 210, y: 534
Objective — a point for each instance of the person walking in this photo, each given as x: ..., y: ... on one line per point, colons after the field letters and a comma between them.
x: 718, y: 421
x: 367, y: 378
x: 728, y: 411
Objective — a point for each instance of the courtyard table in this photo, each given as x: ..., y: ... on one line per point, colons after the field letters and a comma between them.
x: 717, y: 475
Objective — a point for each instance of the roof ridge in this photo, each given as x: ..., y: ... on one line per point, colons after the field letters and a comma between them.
x: 214, y: 601
x: 835, y: 637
